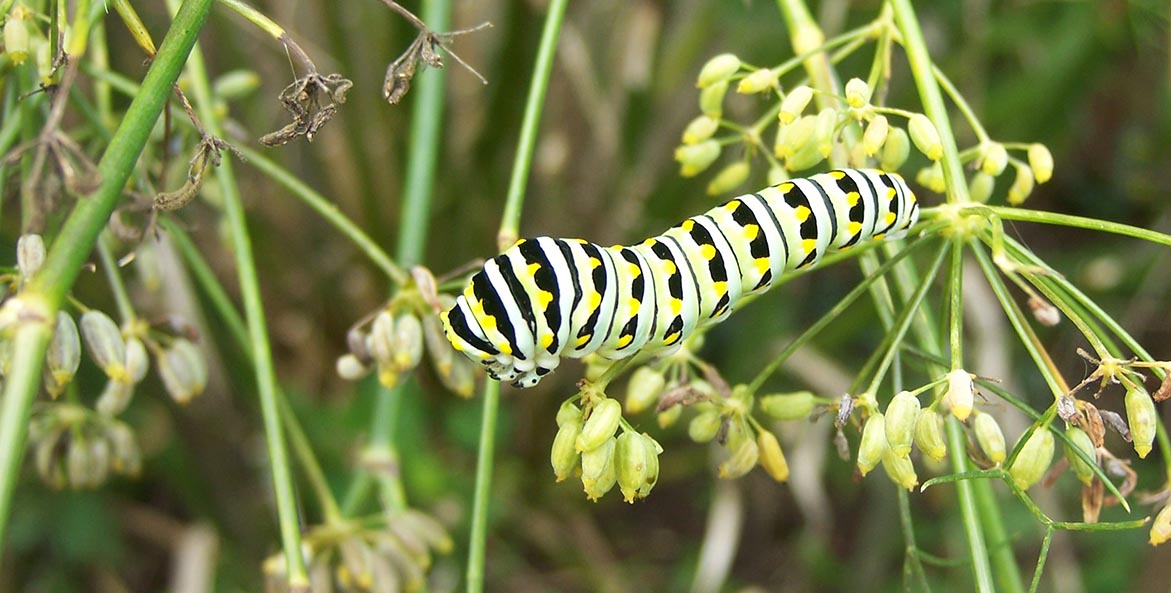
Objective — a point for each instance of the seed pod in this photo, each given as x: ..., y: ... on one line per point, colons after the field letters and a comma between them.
x: 795, y: 136
x: 772, y: 458
x: 667, y: 418
x: 959, y: 396
x: 705, y: 426
x: 873, y: 444
x: 30, y: 249
x: 1142, y: 418
x: 981, y: 187
x: 931, y: 177
x: 438, y: 348
x: 1081, y: 441
x: 16, y: 38
x: 408, y: 342
x: 1161, y: 526
x: 380, y: 341
x: 995, y: 159
x: 235, y: 84
x: 806, y: 157
x: 788, y: 406
x: 925, y: 136
x: 718, y: 69
x: 729, y: 178
x: 990, y: 438
x: 630, y: 457
x: 461, y: 379
x: 895, y: 150
x: 564, y: 456
x: 568, y: 412
x: 653, y: 449
x: 875, y: 135
x: 1033, y: 460
x: 744, y: 455
x: 701, y: 128
x: 350, y: 368
x: 929, y: 434
x: 696, y: 158
x: 48, y: 457
x: 126, y: 457
x: 1021, y: 186
x: 900, y: 469
x: 644, y: 388
x: 64, y: 353
x: 431, y: 531
x: 600, y: 426
x: 597, y: 467
x: 1041, y: 162
x: 758, y: 81
x: 106, y: 346
x: 183, y: 370
x: 137, y: 360
x: 711, y: 99
x: 823, y: 134
x: 87, y: 462
x: 115, y: 398
x: 794, y: 104
x: 857, y: 93
x: 901, y: 415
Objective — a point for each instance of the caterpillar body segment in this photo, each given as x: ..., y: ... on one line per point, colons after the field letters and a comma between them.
x: 546, y: 298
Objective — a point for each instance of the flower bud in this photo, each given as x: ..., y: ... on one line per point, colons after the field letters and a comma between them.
x: 137, y: 360
x: 931, y: 177
x: 643, y: 389
x: 16, y: 37
x: 568, y: 412
x: 981, y: 186
x: 408, y: 342
x: 563, y: 455
x: 705, y: 426
x: 794, y: 104
x: 990, y: 438
x: 959, y: 394
x: 87, y: 463
x: 777, y: 175
x: 718, y: 69
x: 667, y: 418
x: 795, y: 136
x: 380, y: 340
x: 1044, y: 311
x: 48, y: 458
x: 995, y: 159
x: 461, y: 378
x: 115, y: 398
x: 598, y: 472
x: 1142, y: 418
x: 772, y: 458
x: 895, y: 150
x: 857, y: 93
x: 758, y: 81
x: 1081, y: 441
x: 806, y: 157
x: 1041, y: 162
x: 601, y: 425
x: 30, y: 252
x: 929, y: 434
x: 925, y: 136
x: 729, y: 178
x: 824, y: 129
x: 901, y: 414
x: 653, y: 449
x: 788, y: 406
x: 900, y: 469
x: 711, y: 99
x: 125, y: 456
x: 630, y: 457
x: 183, y: 370
x: 701, y: 128
x: 875, y: 135
x: 350, y: 368
x: 1161, y: 526
x: 64, y: 353
x: 873, y: 444
x: 106, y: 346
x: 1033, y: 460
x: 1021, y: 186
x: 744, y: 455
x: 696, y: 158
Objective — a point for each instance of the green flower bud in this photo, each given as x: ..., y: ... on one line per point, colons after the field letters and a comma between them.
x: 667, y: 418
x: 925, y: 136
x: 696, y: 158
x: 64, y: 353
x: 16, y: 37
x: 380, y: 342
x: 701, y: 128
x: 30, y: 252
x: 995, y: 159
x: 1142, y: 418
x: 115, y: 397
x: 630, y: 457
x: 794, y: 104
x: 1032, y: 462
x: 408, y: 342
x: 824, y: 128
x: 788, y: 406
x: 895, y: 150
x: 728, y: 178
x: 235, y: 84
x: 857, y: 93
x: 873, y: 444
x: 760, y: 80
x: 87, y: 463
x: 718, y: 69
x: 598, y: 471
x: 183, y: 370
x: 711, y: 99
x: 901, y: 415
x: 929, y: 434
x: 806, y: 157
x: 653, y: 449
x: 990, y: 438
x: 106, y: 346
x: 461, y: 378
x: 875, y: 135
x: 644, y: 388
x: 350, y: 368
x: 148, y: 266
x: 125, y: 456
x: 795, y: 136
x: 49, y: 460
x: 563, y: 455
x: 568, y: 412
x: 744, y: 455
x: 960, y: 394
x: 601, y: 425
x: 900, y: 469
x: 981, y: 186
x: 1161, y: 526
x: 1081, y: 441
x: 1041, y: 162
x: 931, y: 177
x: 777, y: 175
x: 426, y: 528
x: 705, y: 426
x: 1021, y: 186
x: 137, y: 360
x: 772, y: 458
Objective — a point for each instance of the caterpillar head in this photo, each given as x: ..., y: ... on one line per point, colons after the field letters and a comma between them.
x: 465, y: 330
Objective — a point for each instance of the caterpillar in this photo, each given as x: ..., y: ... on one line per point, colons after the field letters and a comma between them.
x: 546, y: 298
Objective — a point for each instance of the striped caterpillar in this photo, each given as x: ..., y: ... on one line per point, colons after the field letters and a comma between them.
x: 545, y: 298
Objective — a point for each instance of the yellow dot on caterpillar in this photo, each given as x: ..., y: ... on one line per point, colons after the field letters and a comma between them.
x: 687, y: 225
x: 852, y: 198
x: 488, y: 322
x: 624, y: 341
x: 732, y: 205
x: 707, y: 251
x: 837, y: 174
x: 809, y: 245
x: 633, y: 305
x: 533, y: 267
x: 786, y: 187
x: 721, y: 288
x: 762, y: 265
x: 595, y: 262
x: 672, y: 338
x: 583, y: 340
x: 676, y: 306
x: 801, y: 213
x: 635, y: 270
x: 890, y: 192
x: 854, y: 227
x: 546, y: 340
x: 751, y: 231
x: 890, y: 218
x: 595, y: 300
x: 544, y: 297
x: 669, y: 267
x: 505, y: 348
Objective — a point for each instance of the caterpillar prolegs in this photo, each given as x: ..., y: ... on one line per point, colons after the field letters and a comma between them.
x: 545, y: 298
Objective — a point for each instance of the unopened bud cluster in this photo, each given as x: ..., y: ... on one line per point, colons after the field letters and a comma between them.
x: 592, y: 445
x: 74, y: 447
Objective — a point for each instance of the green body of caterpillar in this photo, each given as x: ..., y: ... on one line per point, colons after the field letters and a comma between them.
x: 546, y: 298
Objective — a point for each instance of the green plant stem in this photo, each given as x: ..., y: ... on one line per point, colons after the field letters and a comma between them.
x: 48, y: 288
x: 1093, y: 224
x: 479, y: 536
x: 955, y: 293
x: 114, y: 279
x: 912, y: 549
x: 255, y: 17
x: 977, y: 549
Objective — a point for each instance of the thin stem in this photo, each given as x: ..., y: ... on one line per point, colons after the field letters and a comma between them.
x: 1093, y: 224
x: 912, y: 549
x: 479, y: 535
x: 957, y: 447
x: 1041, y: 560
x: 955, y: 292
x: 255, y: 17
x: 114, y: 279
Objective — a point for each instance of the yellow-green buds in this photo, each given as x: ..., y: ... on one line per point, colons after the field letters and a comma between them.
x: 601, y: 425
x: 1021, y: 186
x: 823, y: 133
x: 772, y: 458
x: 646, y: 384
x: 795, y: 136
x: 777, y: 175
x: 895, y: 150
x: 931, y: 177
x: 960, y: 394
x: 236, y: 84
x: 743, y: 454
x: 788, y: 406
x: 183, y: 370
x: 900, y: 469
x: 1041, y: 162
x: 758, y: 81
x: 598, y: 472
x: 901, y: 415
x: 1142, y: 418
x: 794, y: 104
x: 873, y: 444
x: 64, y: 353
x: 695, y: 158
x: 1033, y: 460
x: 925, y: 136
x: 457, y: 373
x: 981, y: 186
x: 729, y: 178
x: 653, y: 449
x: 564, y: 455
x: 929, y: 434
x: 1081, y: 441
x: 350, y: 368
x: 857, y: 93
x: 718, y: 69
x: 568, y: 412
x: 630, y: 459
x: 16, y: 37
x: 704, y: 426
x: 711, y: 99
x: 995, y: 159
x: 990, y: 438
x: 30, y: 254
x: 137, y: 359
x: 701, y: 128
x: 125, y: 456
x: 106, y: 346
x: 667, y: 418
x: 1161, y: 526
x: 115, y: 397
x: 408, y: 341
x: 875, y: 135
